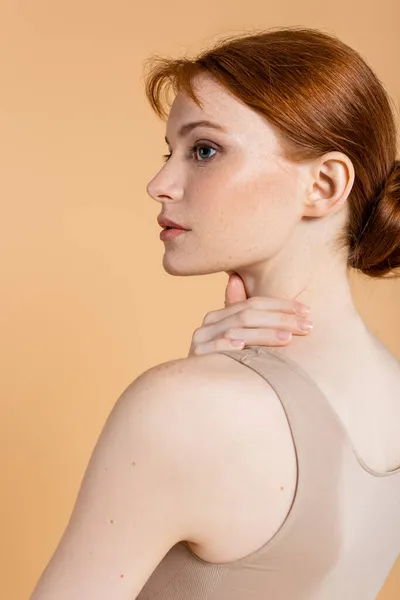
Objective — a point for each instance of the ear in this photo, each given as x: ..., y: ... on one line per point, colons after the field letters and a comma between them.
x: 331, y: 182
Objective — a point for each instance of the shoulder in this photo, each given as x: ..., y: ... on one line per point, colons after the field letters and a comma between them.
x: 175, y: 449
x: 214, y: 369
x: 204, y: 407
x: 210, y: 382
x: 214, y: 412
x: 227, y: 423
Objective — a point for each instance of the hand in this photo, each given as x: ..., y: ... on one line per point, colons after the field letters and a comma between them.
x: 256, y: 321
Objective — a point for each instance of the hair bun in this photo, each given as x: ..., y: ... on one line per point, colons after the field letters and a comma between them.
x: 331, y: 101
x: 377, y: 251
x: 393, y: 174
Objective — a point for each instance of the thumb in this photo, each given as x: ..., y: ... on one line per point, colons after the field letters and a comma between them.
x: 235, y: 290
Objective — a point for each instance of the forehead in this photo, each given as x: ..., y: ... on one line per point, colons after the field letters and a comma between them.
x: 214, y: 97
x: 219, y: 106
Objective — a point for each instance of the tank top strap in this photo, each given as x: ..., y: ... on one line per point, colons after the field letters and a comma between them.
x: 311, y: 420
x: 320, y: 452
x: 315, y: 425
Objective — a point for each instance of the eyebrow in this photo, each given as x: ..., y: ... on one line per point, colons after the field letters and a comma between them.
x: 188, y: 127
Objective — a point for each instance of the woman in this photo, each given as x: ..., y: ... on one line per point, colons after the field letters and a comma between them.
x: 281, y: 480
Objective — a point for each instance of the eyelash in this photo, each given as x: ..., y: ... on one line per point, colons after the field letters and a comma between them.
x: 166, y: 157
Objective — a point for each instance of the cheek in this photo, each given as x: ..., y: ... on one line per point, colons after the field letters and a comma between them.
x: 261, y: 208
x: 243, y: 210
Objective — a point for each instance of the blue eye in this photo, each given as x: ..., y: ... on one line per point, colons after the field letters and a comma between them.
x: 166, y: 157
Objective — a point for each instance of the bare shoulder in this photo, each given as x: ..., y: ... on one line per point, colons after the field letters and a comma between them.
x: 215, y: 367
x: 209, y: 382
x: 235, y: 437
x: 185, y: 454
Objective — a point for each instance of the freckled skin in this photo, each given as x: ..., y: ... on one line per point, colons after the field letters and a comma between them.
x: 273, y: 221
x: 230, y: 201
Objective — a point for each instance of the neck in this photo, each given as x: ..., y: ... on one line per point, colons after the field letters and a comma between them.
x: 319, y: 279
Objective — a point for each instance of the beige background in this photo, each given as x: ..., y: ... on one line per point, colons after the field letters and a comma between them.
x: 85, y: 304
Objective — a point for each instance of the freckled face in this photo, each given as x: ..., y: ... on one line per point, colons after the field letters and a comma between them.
x: 235, y: 192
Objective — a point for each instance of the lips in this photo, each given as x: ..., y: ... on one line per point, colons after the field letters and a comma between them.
x: 167, y: 223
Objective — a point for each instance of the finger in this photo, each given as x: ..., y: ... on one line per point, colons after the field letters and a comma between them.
x: 256, y: 337
x: 258, y: 303
x: 262, y: 336
x: 235, y: 290
x: 216, y: 345
x: 244, y: 327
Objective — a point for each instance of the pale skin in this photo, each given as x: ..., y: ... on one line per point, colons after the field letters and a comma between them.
x: 258, y: 322
x: 185, y: 434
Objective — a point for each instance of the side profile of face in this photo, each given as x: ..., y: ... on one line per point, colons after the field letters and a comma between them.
x: 235, y: 192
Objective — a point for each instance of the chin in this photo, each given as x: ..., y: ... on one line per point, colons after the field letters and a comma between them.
x: 181, y: 267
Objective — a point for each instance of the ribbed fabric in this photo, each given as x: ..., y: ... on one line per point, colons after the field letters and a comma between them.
x: 341, y: 536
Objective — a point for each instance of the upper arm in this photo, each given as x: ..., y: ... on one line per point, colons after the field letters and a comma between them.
x: 130, y: 509
x: 161, y: 462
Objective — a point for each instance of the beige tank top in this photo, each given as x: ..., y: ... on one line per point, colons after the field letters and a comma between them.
x: 341, y: 536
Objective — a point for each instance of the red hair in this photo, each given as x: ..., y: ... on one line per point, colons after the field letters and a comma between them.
x: 320, y: 95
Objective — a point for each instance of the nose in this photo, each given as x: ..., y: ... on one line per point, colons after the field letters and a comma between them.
x: 152, y: 191
x: 163, y: 187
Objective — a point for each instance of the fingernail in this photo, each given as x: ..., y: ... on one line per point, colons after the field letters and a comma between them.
x: 305, y: 324
x: 237, y: 343
x: 284, y: 335
x: 302, y: 309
